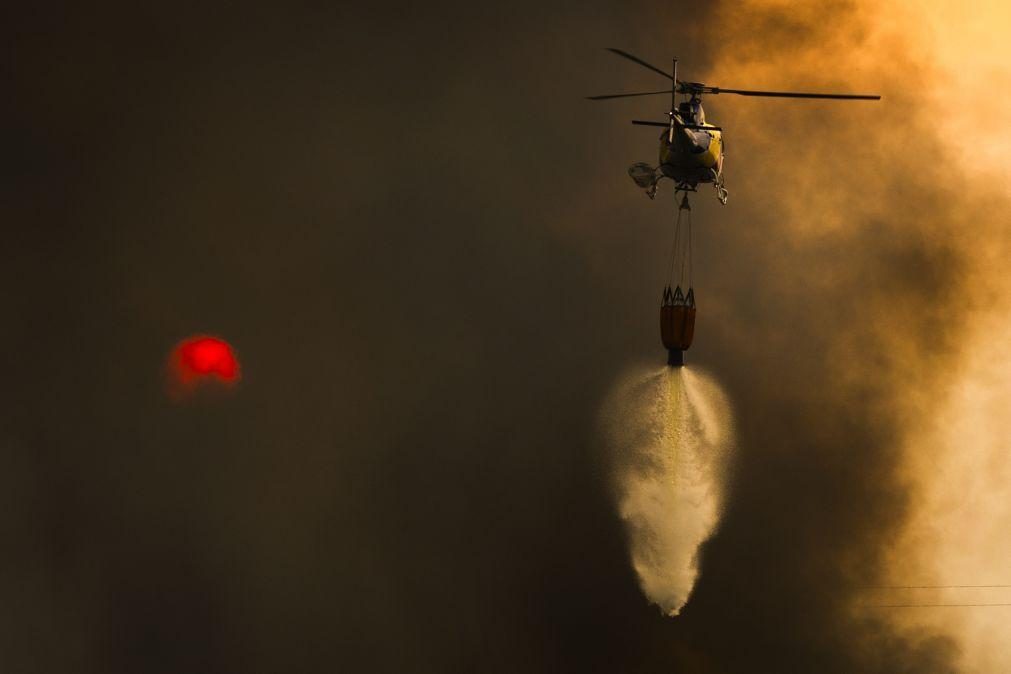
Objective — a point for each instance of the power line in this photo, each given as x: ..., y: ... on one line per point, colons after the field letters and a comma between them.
x: 930, y: 587
x: 929, y: 605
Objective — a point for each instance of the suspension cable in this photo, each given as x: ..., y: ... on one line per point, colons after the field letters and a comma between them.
x: 675, y: 246
x: 684, y: 251
x: 689, y: 244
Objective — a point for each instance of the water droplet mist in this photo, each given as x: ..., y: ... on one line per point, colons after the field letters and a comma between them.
x: 669, y: 434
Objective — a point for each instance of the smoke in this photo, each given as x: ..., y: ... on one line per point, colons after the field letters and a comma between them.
x: 826, y: 290
x: 897, y: 275
x: 435, y: 267
x: 670, y: 433
x: 956, y: 536
x: 956, y: 450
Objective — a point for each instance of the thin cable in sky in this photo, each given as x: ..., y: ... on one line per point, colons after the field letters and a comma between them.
x: 930, y: 605
x: 929, y: 587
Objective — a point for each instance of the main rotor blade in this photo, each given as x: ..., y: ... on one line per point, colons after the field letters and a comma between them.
x: 639, y: 122
x: 790, y: 94
x: 607, y: 96
x: 638, y: 60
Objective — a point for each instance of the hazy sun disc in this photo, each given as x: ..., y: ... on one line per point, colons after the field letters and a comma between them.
x: 203, y: 358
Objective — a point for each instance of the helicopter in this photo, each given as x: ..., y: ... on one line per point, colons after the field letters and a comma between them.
x: 691, y: 149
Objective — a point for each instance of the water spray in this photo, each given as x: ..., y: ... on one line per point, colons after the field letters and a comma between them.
x: 670, y: 435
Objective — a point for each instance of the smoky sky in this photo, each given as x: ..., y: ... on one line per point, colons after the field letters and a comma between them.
x: 424, y: 248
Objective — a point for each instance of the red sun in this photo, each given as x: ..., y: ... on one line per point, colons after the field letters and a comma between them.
x: 202, y: 358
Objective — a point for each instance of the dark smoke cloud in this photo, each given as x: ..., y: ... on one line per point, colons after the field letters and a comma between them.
x: 423, y: 246
x: 834, y: 310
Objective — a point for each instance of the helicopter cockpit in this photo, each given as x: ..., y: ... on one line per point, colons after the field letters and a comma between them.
x: 691, y: 112
x: 686, y: 112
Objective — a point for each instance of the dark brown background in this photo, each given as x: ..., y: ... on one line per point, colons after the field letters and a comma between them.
x: 421, y: 241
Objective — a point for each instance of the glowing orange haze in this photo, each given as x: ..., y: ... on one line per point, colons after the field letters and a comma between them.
x: 941, y: 132
x: 959, y: 456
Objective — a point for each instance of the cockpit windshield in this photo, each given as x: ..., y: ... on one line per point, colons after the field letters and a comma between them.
x: 691, y: 112
x: 687, y: 112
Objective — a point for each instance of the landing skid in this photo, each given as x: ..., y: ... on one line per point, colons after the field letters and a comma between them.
x: 648, y: 178
x: 721, y: 192
x: 678, y: 187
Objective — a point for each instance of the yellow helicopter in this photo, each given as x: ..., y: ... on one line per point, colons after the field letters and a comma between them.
x: 691, y: 150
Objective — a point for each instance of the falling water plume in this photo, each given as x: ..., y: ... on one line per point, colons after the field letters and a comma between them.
x: 670, y: 433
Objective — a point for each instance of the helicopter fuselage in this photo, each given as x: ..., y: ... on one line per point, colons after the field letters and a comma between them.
x: 692, y: 156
